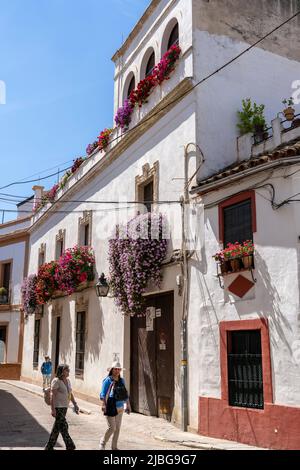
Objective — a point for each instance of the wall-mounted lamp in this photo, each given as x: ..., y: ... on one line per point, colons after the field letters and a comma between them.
x: 102, y: 287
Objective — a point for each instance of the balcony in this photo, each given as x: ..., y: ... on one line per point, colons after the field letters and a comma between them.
x: 280, y: 133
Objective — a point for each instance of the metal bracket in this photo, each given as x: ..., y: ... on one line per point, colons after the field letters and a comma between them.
x: 253, y: 278
x: 219, y: 275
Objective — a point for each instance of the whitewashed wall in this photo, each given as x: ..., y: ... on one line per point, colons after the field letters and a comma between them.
x: 275, y: 295
x: 152, y: 35
x: 263, y: 76
x: 108, y: 332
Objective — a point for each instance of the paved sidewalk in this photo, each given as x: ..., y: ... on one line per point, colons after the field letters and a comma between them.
x: 141, y: 429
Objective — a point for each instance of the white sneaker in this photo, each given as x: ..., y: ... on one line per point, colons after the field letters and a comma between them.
x: 102, y: 445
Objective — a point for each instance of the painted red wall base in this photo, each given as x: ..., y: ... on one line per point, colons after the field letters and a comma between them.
x: 275, y: 427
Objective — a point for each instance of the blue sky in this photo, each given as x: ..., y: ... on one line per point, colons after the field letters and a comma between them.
x: 55, y: 60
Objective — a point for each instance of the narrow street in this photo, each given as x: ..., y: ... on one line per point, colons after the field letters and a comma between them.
x: 25, y: 423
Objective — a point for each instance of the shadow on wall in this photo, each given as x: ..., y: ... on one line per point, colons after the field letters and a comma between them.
x: 95, y: 330
x: 67, y: 339
x: 18, y: 428
x: 45, y: 346
x: 267, y: 305
x: 66, y: 344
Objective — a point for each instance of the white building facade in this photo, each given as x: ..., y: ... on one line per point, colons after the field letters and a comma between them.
x: 151, y: 163
x: 14, y: 245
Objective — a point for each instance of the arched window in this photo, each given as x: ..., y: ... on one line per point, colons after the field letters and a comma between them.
x: 150, y: 65
x: 131, y: 87
x: 174, y: 36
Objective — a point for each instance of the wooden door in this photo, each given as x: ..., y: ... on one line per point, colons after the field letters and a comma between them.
x: 152, y: 358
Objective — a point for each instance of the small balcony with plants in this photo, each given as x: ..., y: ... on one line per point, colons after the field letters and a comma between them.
x: 73, y: 272
x: 235, y: 258
x: 257, y: 137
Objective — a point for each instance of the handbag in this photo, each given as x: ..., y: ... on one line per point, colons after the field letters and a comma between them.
x: 120, y: 392
x: 110, y: 404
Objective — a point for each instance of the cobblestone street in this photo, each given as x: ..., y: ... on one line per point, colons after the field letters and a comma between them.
x: 25, y: 423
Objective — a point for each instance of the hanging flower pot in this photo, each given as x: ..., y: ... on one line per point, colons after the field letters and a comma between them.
x: 225, y: 267
x: 247, y: 261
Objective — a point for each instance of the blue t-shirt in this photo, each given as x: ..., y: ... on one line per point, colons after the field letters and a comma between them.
x: 46, y: 368
x: 105, y: 386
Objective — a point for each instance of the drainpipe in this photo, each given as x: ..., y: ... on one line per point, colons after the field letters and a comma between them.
x: 184, y: 200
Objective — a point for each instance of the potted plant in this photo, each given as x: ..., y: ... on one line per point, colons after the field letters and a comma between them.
x: 289, y: 111
x: 252, y: 119
x: 233, y: 251
x: 247, y: 254
x: 245, y: 116
x: 3, y: 295
x: 222, y: 260
x: 259, y: 123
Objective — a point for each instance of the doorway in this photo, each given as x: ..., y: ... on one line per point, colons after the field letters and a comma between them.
x: 152, y: 358
x: 57, y: 341
x: 3, y: 333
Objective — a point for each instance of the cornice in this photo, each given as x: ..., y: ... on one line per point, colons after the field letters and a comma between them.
x: 160, y: 110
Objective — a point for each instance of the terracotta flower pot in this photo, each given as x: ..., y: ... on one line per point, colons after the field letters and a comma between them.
x: 289, y: 113
x: 247, y: 261
x: 235, y: 264
x: 224, y: 267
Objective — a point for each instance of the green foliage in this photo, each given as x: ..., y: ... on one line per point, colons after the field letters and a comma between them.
x: 288, y: 101
x: 251, y: 117
x: 3, y: 291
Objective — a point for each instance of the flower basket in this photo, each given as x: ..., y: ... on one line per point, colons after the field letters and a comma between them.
x: 235, y: 256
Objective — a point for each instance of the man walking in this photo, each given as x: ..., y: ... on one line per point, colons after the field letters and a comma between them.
x: 46, y: 371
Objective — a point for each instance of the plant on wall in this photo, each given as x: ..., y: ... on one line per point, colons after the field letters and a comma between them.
x: 166, y: 66
x: 28, y: 290
x: 140, y: 95
x: 91, y: 147
x: 76, y: 164
x: 251, y: 118
x: 46, y: 283
x: 104, y: 138
x: 136, y: 254
x: 123, y: 116
x: 75, y: 266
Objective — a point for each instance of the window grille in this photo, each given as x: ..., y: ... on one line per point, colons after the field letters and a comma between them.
x: 36, y: 342
x: 245, y: 375
x: 80, y: 343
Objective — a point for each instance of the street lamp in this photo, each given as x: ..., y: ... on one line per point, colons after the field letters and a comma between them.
x: 102, y: 286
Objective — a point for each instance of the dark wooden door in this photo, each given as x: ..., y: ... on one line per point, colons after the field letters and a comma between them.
x: 152, y: 358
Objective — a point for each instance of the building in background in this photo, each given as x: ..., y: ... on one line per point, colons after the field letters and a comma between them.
x: 14, y: 245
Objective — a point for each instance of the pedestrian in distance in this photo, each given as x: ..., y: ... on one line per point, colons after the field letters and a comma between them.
x: 46, y: 370
x: 61, y: 394
x: 115, y: 400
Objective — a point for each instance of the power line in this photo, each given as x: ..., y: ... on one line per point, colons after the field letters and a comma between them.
x: 181, y: 95
x: 33, y: 181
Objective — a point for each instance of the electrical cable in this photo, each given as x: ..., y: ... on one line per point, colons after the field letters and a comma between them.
x: 181, y: 96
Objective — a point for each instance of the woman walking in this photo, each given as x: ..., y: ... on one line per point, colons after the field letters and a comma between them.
x: 114, y: 398
x: 61, y: 394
